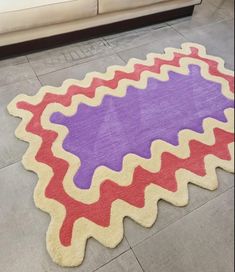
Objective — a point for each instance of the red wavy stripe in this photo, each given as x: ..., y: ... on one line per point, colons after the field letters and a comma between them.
x: 55, y: 188
x: 48, y: 137
x: 119, y: 75
x: 99, y: 212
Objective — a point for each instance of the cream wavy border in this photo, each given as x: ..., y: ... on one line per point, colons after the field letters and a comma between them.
x: 111, y: 236
x: 130, y: 161
x: 92, y: 195
x: 110, y: 72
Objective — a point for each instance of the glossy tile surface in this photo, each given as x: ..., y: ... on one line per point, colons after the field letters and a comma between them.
x: 205, y: 225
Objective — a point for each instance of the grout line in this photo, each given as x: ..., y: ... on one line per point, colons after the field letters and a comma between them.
x: 125, y: 61
x: 23, y: 79
x: 106, y: 42
x: 137, y: 260
x: 27, y: 59
x: 146, y: 44
x: 143, y: 44
x: 139, y: 30
x: 109, y: 54
x: 96, y: 269
x: 200, y: 26
x: 178, y: 32
x: 40, y: 82
x: 19, y: 81
x: 124, y: 237
x: 216, y: 5
x: 176, y: 221
x: 78, y: 63
x: 11, y: 164
x: 131, y: 248
x: 127, y: 239
x: 31, y: 66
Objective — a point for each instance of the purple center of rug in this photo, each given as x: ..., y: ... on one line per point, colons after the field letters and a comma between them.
x: 103, y: 135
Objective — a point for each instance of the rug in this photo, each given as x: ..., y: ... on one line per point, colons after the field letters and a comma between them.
x: 112, y: 145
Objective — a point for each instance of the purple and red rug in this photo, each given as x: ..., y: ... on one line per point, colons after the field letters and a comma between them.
x: 114, y: 144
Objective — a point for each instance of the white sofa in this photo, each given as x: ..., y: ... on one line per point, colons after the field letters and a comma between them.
x: 27, y: 20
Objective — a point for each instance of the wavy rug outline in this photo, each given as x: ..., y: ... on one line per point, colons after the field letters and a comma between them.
x: 71, y: 252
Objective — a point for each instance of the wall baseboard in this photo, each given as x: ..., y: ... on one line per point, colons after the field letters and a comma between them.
x: 81, y: 35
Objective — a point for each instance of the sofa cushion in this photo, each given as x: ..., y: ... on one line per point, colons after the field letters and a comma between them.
x: 25, y: 14
x: 111, y: 5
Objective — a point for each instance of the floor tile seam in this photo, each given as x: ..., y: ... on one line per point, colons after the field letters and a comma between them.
x: 9, y: 165
x: 138, y: 261
x: 19, y: 81
x: 183, y: 217
x: 79, y: 64
x: 141, y: 45
x: 215, y: 5
x: 199, y: 27
x: 161, y: 25
x: 111, y: 260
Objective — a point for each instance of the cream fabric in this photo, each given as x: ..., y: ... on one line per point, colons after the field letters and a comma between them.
x: 106, y: 6
x: 46, y: 31
x: 43, y: 13
x: 13, y: 5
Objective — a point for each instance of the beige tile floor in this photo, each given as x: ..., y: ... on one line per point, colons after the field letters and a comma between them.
x: 197, y: 238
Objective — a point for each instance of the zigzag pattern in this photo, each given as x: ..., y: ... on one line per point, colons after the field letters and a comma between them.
x: 46, y: 96
x: 141, y: 183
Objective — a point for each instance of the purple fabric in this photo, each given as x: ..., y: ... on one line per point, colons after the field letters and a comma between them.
x: 103, y: 135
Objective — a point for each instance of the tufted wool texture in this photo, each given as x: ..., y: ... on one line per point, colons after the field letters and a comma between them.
x: 114, y: 144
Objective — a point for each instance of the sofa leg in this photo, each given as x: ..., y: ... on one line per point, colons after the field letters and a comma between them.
x: 81, y: 35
